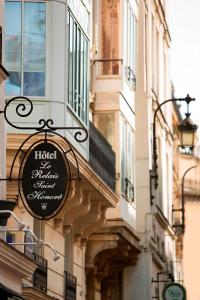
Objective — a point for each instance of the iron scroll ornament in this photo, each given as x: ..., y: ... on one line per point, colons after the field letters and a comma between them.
x: 45, y: 139
x: 25, y: 109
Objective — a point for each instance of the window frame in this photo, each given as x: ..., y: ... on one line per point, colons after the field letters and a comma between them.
x: 109, y: 64
x: 82, y: 81
x: 127, y: 180
x: 130, y: 44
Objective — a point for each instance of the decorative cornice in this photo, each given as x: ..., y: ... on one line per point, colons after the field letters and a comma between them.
x: 15, y: 260
x: 31, y: 293
x: 124, y: 229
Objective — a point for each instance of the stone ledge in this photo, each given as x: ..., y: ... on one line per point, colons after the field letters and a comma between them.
x: 30, y: 293
x: 15, y: 260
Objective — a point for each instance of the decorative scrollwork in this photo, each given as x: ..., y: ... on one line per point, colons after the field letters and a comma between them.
x: 79, y: 135
x: 22, y: 109
x: 25, y: 108
x: 46, y: 123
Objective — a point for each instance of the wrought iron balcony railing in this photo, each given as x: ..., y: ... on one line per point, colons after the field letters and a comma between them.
x: 108, y: 66
x: 129, y: 189
x: 102, y: 157
x: 70, y: 286
x: 40, y: 274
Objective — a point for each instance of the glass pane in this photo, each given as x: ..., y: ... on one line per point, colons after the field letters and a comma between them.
x: 77, y: 69
x: 129, y: 154
x: 70, y: 61
x: 80, y: 12
x: 123, y: 154
x: 106, y: 125
x: 13, y: 47
x: 86, y: 76
x: 34, y: 49
x: 110, y: 18
x: 77, y: 87
x: 74, y: 64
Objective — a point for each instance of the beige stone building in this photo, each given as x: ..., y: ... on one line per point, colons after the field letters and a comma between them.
x: 190, y: 238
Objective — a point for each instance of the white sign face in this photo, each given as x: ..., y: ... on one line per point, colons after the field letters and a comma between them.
x: 174, y: 292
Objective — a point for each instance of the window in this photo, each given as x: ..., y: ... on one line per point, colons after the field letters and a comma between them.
x: 127, y: 157
x: 110, y: 18
x: 152, y: 52
x: 70, y: 286
x: 130, y: 43
x: 25, y: 47
x: 77, y: 68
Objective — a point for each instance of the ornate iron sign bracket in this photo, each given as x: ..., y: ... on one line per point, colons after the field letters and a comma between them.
x: 45, y: 174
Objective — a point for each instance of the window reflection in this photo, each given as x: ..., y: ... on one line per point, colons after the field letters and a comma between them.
x: 13, y: 47
x: 34, y: 49
x: 110, y: 17
x: 28, y: 71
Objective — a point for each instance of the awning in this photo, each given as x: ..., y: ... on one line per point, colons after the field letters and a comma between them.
x: 8, y: 292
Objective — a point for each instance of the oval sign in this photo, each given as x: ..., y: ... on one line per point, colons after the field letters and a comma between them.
x: 174, y: 291
x: 45, y: 180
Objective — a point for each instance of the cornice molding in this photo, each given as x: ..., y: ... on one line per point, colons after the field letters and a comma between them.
x: 31, y: 293
x: 15, y: 260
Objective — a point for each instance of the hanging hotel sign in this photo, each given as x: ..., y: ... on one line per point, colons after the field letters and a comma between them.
x: 44, y: 175
x: 174, y: 291
x: 45, y: 180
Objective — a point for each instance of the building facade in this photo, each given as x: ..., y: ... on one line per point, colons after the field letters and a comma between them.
x: 104, y: 66
x: 190, y: 167
x: 154, y: 173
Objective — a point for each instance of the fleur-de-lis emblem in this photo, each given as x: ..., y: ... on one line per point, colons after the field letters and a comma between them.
x: 43, y: 205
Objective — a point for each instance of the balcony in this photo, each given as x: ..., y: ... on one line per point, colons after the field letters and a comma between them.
x: 101, y: 157
x: 70, y: 286
x: 40, y: 274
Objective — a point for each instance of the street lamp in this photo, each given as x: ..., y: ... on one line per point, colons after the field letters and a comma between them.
x: 186, y: 128
x: 182, y: 209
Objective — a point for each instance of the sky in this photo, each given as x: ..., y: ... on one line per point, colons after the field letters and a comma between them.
x: 184, y: 25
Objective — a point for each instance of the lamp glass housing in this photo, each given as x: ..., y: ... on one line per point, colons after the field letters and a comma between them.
x: 187, y: 130
x: 187, y: 139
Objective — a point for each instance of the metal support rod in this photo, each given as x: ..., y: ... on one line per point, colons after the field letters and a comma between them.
x: 39, y: 243
x: 154, y: 175
x: 182, y: 209
x: 158, y: 281
x: 183, y: 196
x: 21, y: 224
